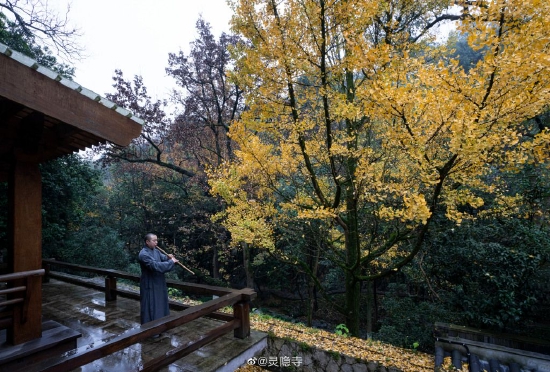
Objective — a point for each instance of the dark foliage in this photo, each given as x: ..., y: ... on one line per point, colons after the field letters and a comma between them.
x: 492, y: 270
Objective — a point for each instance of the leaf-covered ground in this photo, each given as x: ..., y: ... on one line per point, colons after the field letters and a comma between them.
x: 368, y: 350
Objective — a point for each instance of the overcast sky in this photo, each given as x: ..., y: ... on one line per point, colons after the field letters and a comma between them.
x: 136, y: 36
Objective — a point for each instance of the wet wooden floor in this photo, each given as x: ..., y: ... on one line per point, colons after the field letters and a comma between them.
x: 86, y: 311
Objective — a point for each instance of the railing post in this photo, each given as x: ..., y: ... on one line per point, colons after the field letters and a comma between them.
x: 47, y: 267
x: 241, y: 311
x: 26, y: 306
x: 110, y: 288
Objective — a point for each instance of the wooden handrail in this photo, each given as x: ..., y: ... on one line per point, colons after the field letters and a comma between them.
x: 84, y: 355
x: 20, y: 275
x: 91, y: 269
x: 11, y: 302
x: 239, y: 322
x: 185, y: 286
x: 18, y: 298
x: 13, y: 290
x: 181, y: 351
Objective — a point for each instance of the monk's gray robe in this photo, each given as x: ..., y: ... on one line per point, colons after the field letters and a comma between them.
x: 152, y: 284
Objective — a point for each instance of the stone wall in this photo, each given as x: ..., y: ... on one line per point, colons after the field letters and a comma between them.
x: 288, y: 355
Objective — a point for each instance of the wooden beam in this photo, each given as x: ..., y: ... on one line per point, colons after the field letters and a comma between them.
x: 29, y: 133
x: 39, y: 92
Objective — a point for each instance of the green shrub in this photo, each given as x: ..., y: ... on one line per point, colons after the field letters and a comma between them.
x: 408, y: 323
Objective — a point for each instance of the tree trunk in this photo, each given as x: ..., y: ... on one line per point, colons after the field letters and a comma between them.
x: 353, y: 254
x: 314, y: 264
x: 310, y: 300
x: 370, y: 306
x: 246, y: 265
x: 353, y: 300
x: 215, y: 266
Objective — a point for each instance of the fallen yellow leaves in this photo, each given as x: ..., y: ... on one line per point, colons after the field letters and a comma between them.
x: 249, y: 368
x: 367, y: 350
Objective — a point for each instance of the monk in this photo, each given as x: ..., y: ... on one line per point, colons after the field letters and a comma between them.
x: 152, y: 285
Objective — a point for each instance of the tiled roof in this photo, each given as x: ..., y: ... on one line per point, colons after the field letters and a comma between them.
x: 33, y: 64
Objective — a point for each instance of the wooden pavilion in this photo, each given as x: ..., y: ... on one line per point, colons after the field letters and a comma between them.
x: 42, y: 116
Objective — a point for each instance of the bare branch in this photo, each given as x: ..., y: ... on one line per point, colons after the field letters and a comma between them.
x: 38, y: 21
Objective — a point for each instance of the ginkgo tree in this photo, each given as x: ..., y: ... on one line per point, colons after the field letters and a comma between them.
x: 356, y: 118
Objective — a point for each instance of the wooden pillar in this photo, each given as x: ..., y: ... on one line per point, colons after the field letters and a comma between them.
x: 25, y: 233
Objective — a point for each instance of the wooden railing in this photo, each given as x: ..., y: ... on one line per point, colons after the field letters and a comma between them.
x: 485, y: 349
x: 446, y: 331
x: 238, y: 322
x: 14, y: 299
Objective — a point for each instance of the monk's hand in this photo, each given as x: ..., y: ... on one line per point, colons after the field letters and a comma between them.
x: 174, y: 259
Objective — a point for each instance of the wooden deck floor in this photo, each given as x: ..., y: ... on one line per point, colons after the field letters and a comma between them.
x: 85, y: 310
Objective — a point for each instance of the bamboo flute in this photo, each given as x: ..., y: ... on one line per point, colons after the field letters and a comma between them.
x: 179, y: 263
